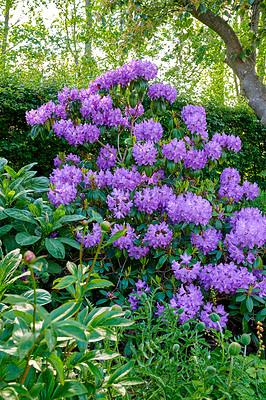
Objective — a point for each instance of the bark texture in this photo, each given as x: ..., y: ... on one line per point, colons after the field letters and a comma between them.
x: 243, y: 67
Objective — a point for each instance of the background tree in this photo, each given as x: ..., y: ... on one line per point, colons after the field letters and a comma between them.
x: 240, y: 25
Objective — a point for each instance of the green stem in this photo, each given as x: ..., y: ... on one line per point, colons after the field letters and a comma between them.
x: 34, y: 298
x: 94, y: 261
x: 80, y: 251
x: 230, y: 372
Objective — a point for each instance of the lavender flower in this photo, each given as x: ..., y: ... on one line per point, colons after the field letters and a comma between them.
x: 144, y: 154
x: 158, y: 235
x: 119, y: 202
x: 190, y: 299
x: 175, y: 150
x: 148, y: 130
x: 107, y: 157
x: 195, y: 119
x: 91, y: 239
x: 158, y: 90
x: 207, y: 241
x: 207, y: 310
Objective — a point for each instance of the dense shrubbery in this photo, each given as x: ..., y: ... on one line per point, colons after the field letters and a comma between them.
x: 156, y: 187
x: 181, y: 245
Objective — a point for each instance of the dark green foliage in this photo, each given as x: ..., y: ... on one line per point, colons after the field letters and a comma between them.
x: 15, y: 142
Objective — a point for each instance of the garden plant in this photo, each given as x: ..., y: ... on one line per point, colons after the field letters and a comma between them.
x: 186, y: 254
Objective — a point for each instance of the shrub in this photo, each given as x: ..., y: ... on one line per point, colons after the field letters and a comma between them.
x: 159, y: 189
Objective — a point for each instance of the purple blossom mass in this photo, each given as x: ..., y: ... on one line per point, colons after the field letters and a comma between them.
x: 76, y: 134
x: 195, y: 119
x: 148, y: 130
x: 207, y: 310
x: 141, y: 287
x: 175, y: 150
x: 157, y: 90
x: 158, y: 235
x: 190, y: 299
x: 107, y: 157
x: 207, y: 241
x: 189, y: 208
x: 41, y: 115
x: 91, y: 239
x: 144, y: 153
x: 119, y: 202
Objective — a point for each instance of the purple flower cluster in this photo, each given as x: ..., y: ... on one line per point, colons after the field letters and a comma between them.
x: 76, y: 134
x: 64, y: 184
x: 152, y: 199
x: 91, y: 239
x: 175, y: 150
x: 248, y: 232
x: 41, y: 115
x: 195, y: 159
x: 207, y: 310
x: 119, y: 202
x: 195, y: 119
x: 72, y: 158
x: 157, y: 90
x: 230, y: 187
x: 107, y: 157
x: 226, y: 278
x: 124, y: 75
x: 186, y: 274
x: 148, y: 130
x: 190, y: 299
x: 141, y: 288
x: 158, y: 235
x: 189, y: 208
x: 100, y: 111
x: 230, y: 141
x: 125, y: 179
x: 127, y: 242
x: 207, y: 241
x: 144, y: 153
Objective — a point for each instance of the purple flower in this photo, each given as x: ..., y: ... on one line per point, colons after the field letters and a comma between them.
x: 141, y: 288
x: 175, y: 150
x: 195, y: 119
x: 125, y: 179
x: 91, y: 239
x: 207, y: 240
x: 134, y: 112
x: 158, y: 235
x: 41, y: 115
x: 119, y: 202
x: 186, y: 274
x: 145, y: 153
x: 207, y: 310
x: 148, y: 130
x: 158, y: 90
x: 72, y: 158
x: 190, y: 299
x: 76, y: 134
x: 195, y: 159
x: 190, y: 208
x: 107, y: 157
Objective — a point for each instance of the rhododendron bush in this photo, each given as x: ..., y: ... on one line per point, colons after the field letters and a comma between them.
x: 154, y: 183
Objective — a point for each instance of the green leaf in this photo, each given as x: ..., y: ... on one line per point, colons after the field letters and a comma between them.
x: 98, y: 283
x: 34, y: 210
x: 70, y: 389
x: 25, y: 239
x: 65, y: 311
x: 43, y: 297
x: 21, y: 215
x: 249, y: 304
x: 58, y: 366
x: 71, y: 329
x: 120, y: 372
x: 133, y: 99
x: 50, y: 338
x: 5, y: 229
x: 55, y: 248
x: 70, y: 218
x: 161, y: 260
x: 65, y: 282
x: 26, y: 343
x: 70, y: 242
x: 15, y: 299
x: 116, y: 236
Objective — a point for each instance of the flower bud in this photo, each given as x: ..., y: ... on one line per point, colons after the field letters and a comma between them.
x: 200, y: 326
x: 180, y: 310
x: 210, y: 370
x: 84, y: 222
x: 214, y: 317
x: 186, y: 327
x: 144, y: 296
x: 106, y: 226
x: 245, y: 339
x: 29, y: 257
x: 234, y: 349
x: 176, y: 347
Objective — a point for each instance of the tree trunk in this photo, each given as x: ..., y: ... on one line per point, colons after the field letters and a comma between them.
x: 243, y: 67
x: 8, y: 6
x: 88, y: 43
